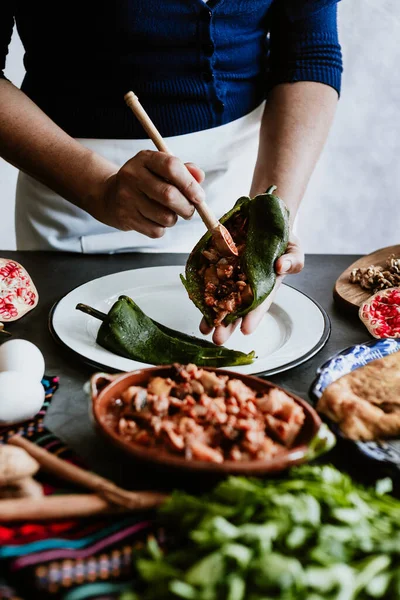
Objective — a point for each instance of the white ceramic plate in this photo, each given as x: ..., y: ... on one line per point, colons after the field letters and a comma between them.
x: 294, y: 329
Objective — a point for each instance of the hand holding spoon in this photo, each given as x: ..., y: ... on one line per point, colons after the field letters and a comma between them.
x: 222, y: 238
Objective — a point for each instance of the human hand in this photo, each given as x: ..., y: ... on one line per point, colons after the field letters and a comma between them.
x: 289, y: 263
x: 149, y: 193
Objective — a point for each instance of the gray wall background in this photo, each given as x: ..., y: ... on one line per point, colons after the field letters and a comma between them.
x: 352, y: 202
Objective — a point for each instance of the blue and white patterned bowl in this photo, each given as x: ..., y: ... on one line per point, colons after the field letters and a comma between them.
x: 344, y: 362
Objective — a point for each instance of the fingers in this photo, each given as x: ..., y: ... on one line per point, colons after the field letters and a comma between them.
x: 151, y: 191
x: 197, y: 173
x: 291, y: 262
x: 149, y: 228
x: 293, y: 259
x: 157, y: 213
x: 249, y: 323
x: 205, y: 328
x: 176, y: 174
x: 222, y: 334
x: 164, y: 193
x: 254, y: 318
x: 173, y: 170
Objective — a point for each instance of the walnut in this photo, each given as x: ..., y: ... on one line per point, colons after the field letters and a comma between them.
x: 375, y: 278
x: 393, y: 263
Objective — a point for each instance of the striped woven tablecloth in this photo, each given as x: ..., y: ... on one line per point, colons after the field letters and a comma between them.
x: 74, y: 559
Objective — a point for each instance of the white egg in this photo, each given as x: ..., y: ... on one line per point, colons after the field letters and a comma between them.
x: 22, y: 356
x: 21, y: 397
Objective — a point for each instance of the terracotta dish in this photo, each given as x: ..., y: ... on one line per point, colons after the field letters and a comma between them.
x: 314, y: 438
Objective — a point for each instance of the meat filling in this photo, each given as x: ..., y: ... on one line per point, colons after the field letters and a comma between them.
x: 226, y: 289
x: 201, y: 415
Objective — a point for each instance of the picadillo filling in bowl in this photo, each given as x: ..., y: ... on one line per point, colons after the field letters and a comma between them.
x: 201, y: 415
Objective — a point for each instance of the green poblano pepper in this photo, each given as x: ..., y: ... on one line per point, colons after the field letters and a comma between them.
x: 128, y: 332
x: 267, y: 239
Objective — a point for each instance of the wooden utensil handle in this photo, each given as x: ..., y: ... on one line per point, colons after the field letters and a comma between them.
x: 206, y: 214
x: 133, y: 102
x: 64, y: 470
x: 64, y: 506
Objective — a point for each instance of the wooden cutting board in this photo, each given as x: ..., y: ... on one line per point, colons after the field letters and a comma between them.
x: 350, y: 296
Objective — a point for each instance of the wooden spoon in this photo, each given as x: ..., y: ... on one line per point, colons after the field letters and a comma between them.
x: 103, y: 487
x: 57, y: 507
x: 222, y: 238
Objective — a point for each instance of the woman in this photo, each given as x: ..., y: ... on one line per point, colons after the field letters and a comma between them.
x: 202, y: 71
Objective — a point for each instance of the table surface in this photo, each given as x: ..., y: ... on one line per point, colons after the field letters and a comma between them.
x: 55, y: 274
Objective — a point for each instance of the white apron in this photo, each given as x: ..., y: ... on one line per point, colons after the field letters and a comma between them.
x: 227, y: 154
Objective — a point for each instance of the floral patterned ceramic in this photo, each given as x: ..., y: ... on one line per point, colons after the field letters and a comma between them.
x: 18, y: 294
x: 344, y: 362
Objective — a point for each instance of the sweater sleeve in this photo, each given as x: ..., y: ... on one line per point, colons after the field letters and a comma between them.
x: 304, y: 44
x: 6, y: 29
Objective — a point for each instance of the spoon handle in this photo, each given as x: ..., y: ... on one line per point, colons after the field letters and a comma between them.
x: 209, y: 219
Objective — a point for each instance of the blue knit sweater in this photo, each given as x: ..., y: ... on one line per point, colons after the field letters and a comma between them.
x: 193, y: 65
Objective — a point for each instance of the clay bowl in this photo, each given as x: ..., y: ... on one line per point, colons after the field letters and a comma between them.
x: 313, y: 439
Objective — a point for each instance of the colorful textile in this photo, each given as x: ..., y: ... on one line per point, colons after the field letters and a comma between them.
x: 74, y: 559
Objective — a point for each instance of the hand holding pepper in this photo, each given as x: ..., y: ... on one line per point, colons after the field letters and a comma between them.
x: 289, y: 263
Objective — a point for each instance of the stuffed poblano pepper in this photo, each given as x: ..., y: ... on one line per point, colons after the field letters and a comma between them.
x: 225, y: 288
x: 128, y: 332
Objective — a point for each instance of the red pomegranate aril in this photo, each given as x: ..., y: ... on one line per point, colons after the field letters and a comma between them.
x: 18, y: 294
x: 381, y: 313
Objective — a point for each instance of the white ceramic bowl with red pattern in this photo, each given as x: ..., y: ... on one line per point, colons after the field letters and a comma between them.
x: 18, y: 294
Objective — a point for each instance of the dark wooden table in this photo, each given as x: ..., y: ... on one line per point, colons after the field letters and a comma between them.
x: 55, y: 274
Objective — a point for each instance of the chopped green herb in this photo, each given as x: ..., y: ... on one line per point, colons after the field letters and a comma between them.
x: 312, y: 536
